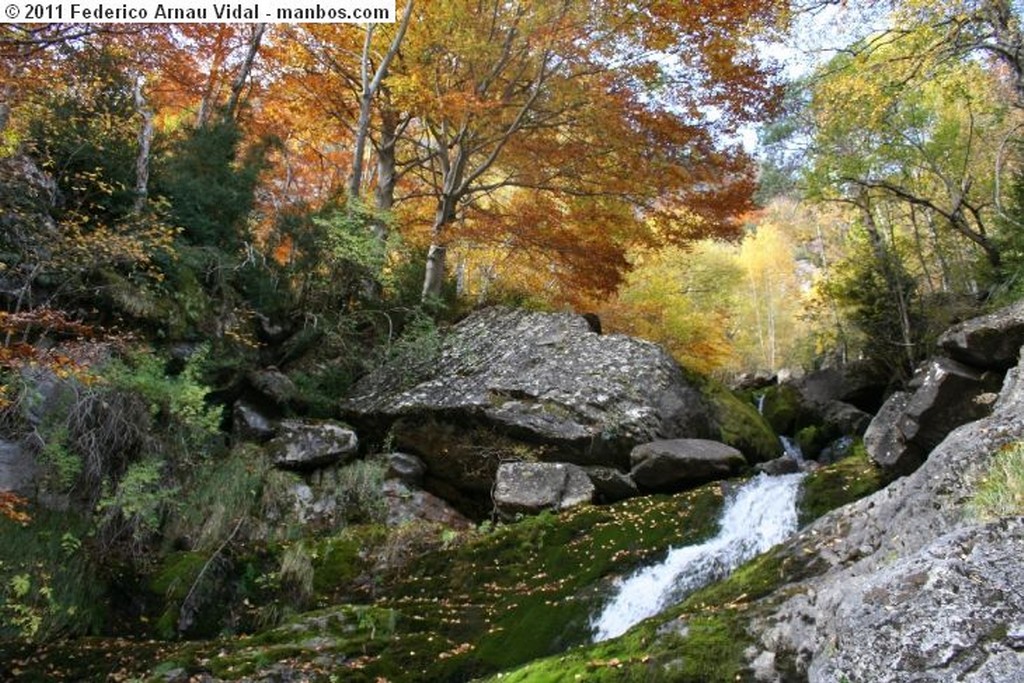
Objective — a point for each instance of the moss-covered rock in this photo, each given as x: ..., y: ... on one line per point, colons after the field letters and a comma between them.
x: 850, y: 479
x: 740, y: 425
x: 783, y: 408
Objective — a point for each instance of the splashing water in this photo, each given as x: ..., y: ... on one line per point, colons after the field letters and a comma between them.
x: 759, y: 515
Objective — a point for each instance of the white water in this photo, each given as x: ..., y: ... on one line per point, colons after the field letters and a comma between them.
x: 760, y: 514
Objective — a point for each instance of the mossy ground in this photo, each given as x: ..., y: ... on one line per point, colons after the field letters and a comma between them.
x: 517, y: 595
x: 498, y: 599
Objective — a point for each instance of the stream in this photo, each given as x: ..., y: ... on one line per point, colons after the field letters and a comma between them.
x: 758, y: 515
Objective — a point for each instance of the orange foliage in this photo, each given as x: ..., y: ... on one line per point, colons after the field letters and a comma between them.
x: 10, y: 504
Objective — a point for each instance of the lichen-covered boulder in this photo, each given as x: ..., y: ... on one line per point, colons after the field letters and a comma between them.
x: 991, y: 341
x: 533, y: 487
x: 947, y: 395
x: 673, y: 465
x: 505, y: 380
x: 309, y: 445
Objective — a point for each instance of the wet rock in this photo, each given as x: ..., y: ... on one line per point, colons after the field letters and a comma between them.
x: 783, y: 465
x: 532, y: 487
x: 309, y: 445
x: 990, y: 342
x: 673, y: 465
x: 910, y: 425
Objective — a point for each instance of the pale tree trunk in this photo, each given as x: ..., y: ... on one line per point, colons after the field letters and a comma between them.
x: 370, y: 87
x: 145, y: 143
x: 242, y: 78
x: 433, y: 279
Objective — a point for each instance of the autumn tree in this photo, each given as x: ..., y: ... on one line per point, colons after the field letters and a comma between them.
x: 509, y: 92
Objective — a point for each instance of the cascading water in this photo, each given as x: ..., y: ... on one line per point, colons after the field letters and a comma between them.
x: 759, y: 515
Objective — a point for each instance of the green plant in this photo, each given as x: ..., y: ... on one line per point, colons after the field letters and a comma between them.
x: 1000, y: 493
x: 49, y: 586
x: 359, y: 493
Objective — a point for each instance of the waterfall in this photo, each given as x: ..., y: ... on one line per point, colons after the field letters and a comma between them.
x: 759, y: 514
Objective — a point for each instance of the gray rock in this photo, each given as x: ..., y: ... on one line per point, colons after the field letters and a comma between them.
x: 249, y: 424
x: 309, y: 445
x: 407, y: 503
x: 273, y: 385
x: 18, y: 469
x: 532, y: 487
x: 612, y: 485
x: 544, y: 380
x: 843, y: 419
x: 991, y: 341
x: 406, y: 468
x: 783, y: 465
x: 865, y: 563
x: 909, y: 426
x: 675, y: 465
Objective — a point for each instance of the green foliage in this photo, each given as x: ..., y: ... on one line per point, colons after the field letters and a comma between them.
x: 178, y: 401
x: 49, y: 586
x: 1000, y: 493
x: 210, y: 185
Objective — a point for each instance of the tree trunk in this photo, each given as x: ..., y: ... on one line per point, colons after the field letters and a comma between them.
x: 243, y: 73
x: 370, y: 87
x: 145, y: 143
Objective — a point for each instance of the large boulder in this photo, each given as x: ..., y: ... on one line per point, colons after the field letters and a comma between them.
x: 991, y: 341
x: 673, y: 465
x: 947, y: 394
x: 517, y: 384
x: 533, y: 487
x: 309, y: 445
x: 897, y: 586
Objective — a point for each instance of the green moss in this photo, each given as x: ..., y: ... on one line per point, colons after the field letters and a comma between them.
x: 783, y: 409
x: 742, y: 427
x: 848, y: 480
x: 491, y: 602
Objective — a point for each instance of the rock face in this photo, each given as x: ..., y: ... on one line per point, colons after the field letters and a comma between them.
x: 506, y: 380
x: 532, y: 487
x: 675, y: 465
x: 407, y: 503
x: 909, y: 426
x: 992, y: 341
x: 953, y: 610
x: 308, y: 445
x: 882, y: 603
